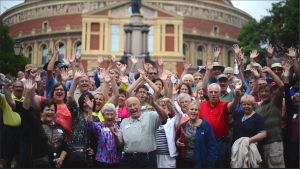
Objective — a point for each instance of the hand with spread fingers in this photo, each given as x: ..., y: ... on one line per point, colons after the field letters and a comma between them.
x: 29, y: 84
x: 270, y: 50
x: 209, y: 64
x: 100, y: 59
x: 185, y: 65
x: 217, y: 52
x: 286, y: 68
x: 101, y: 74
x: 64, y: 74
x: 133, y: 60
x: 72, y: 59
x: 253, y: 54
x: 236, y: 49
x: 78, y: 74
x: 78, y: 56
x: 160, y: 61
x: 292, y: 53
x: 112, y: 58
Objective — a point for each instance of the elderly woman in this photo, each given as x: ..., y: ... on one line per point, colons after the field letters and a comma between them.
x: 247, y: 123
x: 108, y: 155
x: 200, y: 145
x: 231, y: 83
x: 188, y: 79
x: 199, y: 94
x: 47, y: 137
x: 183, y: 100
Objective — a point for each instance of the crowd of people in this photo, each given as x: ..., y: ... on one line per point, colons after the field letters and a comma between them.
x: 152, y: 118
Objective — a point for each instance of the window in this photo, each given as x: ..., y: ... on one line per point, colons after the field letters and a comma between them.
x: 45, y: 26
x: 151, y: 39
x: 115, y: 38
x: 184, y: 49
x: 229, y: 58
x: 44, y: 54
x: 215, y: 29
x: 199, y: 56
x: 78, y: 47
x: 61, y: 52
x: 30, y: 53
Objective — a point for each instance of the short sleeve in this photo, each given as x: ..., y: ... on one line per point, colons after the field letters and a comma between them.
x: 260, y: 124
x: 155, y: 117
x: 225, y: 107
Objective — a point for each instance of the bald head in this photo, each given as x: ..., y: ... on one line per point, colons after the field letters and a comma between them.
x: 133, y: 107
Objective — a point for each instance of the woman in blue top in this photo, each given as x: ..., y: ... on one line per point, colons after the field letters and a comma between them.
x: 200, y: 145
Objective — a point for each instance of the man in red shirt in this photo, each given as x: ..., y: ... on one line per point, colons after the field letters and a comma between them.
x: 218, y: 113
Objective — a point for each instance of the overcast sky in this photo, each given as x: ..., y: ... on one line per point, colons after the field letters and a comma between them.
x: 256, y: 8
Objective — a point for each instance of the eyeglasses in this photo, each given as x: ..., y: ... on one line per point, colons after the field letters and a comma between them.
x: 109, y: 115
x: 57, y: 90
x: 152, y: 73
x: 86, y: 81
x: 198, y: 78
x: 185, y: 102
x: 187, y: 80
x: 141, y: 92
x: 211, y: 92
x: 276, y: 69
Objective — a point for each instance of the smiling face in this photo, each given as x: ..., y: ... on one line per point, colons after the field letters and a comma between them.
x: 183, y: 104
x: 134, y: 107
x: 188, y: 80
x: 109, y: 117
x: 48, y: 114
x: 141, y: 95
x: 122, y: 99
x: 92, y: 87
x: 184, y: 89
x: 223, y: 82
x: 43, y: 81
x: 59, y: 94
x: 216, y: 71
x: 20, y: 75
x: 18, y: 89
x: 99, y: 101
x: 197, y: 79
x: 247, y: 74
x: 193, y: 112
x: 200, y: 91
x: 84, y: 83
x: 251, y: 84
x: 277, y: 71
x: 247, y: 107
x: 158, y: 84
x: 213, y: 94
x: 265, y: 94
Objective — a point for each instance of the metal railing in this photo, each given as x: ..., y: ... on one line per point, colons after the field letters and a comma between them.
x: 195, y: 31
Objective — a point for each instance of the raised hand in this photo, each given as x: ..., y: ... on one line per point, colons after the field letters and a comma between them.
x: 72, y: 59
x: 78, y: 55
x: 142, y: 73
x: 286, y: 68
x: 66, y: 61
x: 240, y: 59
x: 175, y: 90
x: 164, y: 76
x: 123, y: 68
x: 112, y: 58
x: 254, y: 72
x: 111, y: 74
x: 29, y: 85
x: 107, y: 77
x: 195, y: 92
x: 7, y: 83
x: 150, y: 99
x: 254, y: 64
x: 101, y: 74
x: 236, y: 49
x: 265, y: 69
x: 134, y: 60
x: 217, y: 52
x: 160, y: 61
x: 253, y: 54
x: 114, y: 131
x: 38, y: 78
x: 89, y: 102
x: 185, y: 65
x: 78, y: 73
x: 209, y: 64
x: 64, y: 74
x: 124, y: 79
x: 33, y: 73
x: 270, y: 50
x: 292, y: 53
x: 119, y: 65
x: 146, y: 66
x: 57, y: 46
x: 100, y: 59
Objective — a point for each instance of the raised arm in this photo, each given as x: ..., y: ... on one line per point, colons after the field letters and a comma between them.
x: 209, y: 67
x: 237, y: 50
x: 73, y: 85
x: 122, y: 70
x: 292, y: 55
x: 34, y: 99
x: 39, y: 85
x: 151, y: 84
x: 90, y: 103
x: 104, y: 87
x: 7, y: 94
x: 270, y: 51
x: 255, y: 87
x: 64, y: 75
x: 165, y: 77
x: 185, y: 69
x: 117, y: 140
x: 112, y: 61
x: 217, y: 52
x: 258, y: 66
x: 163, y: 116
x: 110, y: 76
x: 160, y: 62
x: 241, y: 74
x: 78, y: 58
x: 276, y: 79
x: 232, y: 105
x: 72, y: 62
x: 29, y: 92
x: 133, y: 86
x: 52, y: 61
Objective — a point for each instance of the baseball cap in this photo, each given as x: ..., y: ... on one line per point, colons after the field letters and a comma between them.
x: 216, y: 64
x: 46, y: 65
x: 61, y: 65
x: 273, y: 84
x: 29, y: 67
x: 222, y: 76
x: 276, y: 65
x: 199, y: 68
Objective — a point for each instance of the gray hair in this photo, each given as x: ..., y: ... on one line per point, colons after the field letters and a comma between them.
x: 183, y: 95
x: 108, y: 107
x: 21, y: 72
x: 228, y: 68
x: 82, y: 76
x: 16, y: 82
x: 232, y: 78
x: 188, y: 75
x: 43, y: 73
x: 70, y: 72
x: 262, y: 79
x: 132, y: 97
x: 214, y: 84
x: 191, y: 104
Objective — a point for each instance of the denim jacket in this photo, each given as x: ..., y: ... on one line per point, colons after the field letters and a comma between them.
x: 206, y: 150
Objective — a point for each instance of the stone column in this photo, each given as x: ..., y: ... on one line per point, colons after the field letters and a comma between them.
x: 83, y: 35
x: 35, y: 53
x: 88, y: 34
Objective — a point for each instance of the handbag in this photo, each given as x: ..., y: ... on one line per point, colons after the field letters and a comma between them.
x: 78, y: 153
x: 42, y: 162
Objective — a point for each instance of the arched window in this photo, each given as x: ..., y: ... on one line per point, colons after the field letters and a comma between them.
x: 199, y: 56
x: 44, y: 54
x: 184, y: 49
x: 229, y: 58
x: 78, y: 47
x: 61, y: 52
x: 30, y: 53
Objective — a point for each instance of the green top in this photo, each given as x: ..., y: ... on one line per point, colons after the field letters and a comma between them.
x: 10, y: 118
x: 228, y: 97
x: 100, y: 114
x: 139, y: 135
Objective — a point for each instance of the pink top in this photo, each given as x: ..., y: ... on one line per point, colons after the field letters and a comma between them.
x: 122, y: 112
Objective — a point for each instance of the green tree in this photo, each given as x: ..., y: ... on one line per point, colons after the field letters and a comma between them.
x: 8, y: 60
x: 281, y: 29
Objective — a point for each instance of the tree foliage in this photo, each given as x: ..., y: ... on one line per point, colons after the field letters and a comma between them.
x: 281, y: 29
x: 8, y: 60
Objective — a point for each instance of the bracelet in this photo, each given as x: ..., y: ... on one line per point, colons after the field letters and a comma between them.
x: 62, y: 159
x: 270, y: 57
x: 256, y: 77
x: 145, y: 78
x: 155, y: 105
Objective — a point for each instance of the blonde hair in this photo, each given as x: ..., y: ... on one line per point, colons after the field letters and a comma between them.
x: 103, y: 101
x: 248, y: 98
x: 295, y: 95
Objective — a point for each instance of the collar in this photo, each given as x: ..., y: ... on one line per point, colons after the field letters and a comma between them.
x: 225, y: 93
x: 17, y: 99
x: 131, y: 120
x: 217, y: 105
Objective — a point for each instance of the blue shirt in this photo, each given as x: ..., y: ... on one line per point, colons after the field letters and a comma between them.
x: 211, y: 81
x: 49, y: 84
x: 68, y: 84
x: 248, y: 89
x: 292, y: 91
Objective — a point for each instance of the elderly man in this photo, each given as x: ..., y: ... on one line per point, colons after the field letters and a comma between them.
x: 188, y: 79
x: 137, y: 134
x: 228, y: 71
x: 214, y: 72
x: 218, y: 113
x: 152, y: 73
x: 21, y: 76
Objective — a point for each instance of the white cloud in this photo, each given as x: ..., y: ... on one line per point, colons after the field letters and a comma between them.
x: 8, y: 4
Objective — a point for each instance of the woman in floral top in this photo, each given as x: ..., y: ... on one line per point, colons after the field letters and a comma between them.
x: 108, y: 155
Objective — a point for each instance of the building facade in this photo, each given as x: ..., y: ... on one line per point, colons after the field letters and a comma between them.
x: 179, y: 30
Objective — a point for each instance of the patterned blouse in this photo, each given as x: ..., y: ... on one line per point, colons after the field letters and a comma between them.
x: 107, y: 151
x: 189, y: 137
x: 78, y: 126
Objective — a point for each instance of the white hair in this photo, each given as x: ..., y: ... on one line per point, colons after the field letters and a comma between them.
x: 188, y: 75
x: 108, y: 107
x: 232, y: 78
x: 132, y: 97
x: 21, y: 72
x: 183, y: 95
x: 228, y: 68
x: 70, y: 72
x: 191, y: 104
x: 214, y: 84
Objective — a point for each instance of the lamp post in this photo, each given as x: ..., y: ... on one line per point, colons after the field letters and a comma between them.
x: 49, y: 55
x: 18, y: 52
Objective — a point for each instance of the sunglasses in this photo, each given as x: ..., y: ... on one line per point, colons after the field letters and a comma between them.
x: 198, y: 79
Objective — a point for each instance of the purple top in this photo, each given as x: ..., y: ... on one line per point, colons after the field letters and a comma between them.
x: 107, y: 151
x: 295, y: 128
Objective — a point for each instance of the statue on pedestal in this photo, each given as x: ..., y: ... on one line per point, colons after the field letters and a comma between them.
x: 135, y: 6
